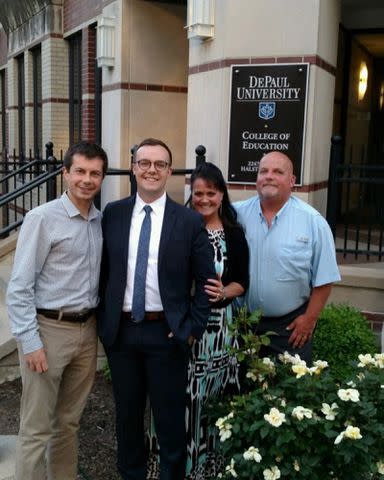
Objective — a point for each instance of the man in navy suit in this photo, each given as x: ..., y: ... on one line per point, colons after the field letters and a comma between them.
x: 147, y: 328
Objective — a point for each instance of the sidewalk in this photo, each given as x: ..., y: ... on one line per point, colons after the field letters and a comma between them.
x: 7, y: 456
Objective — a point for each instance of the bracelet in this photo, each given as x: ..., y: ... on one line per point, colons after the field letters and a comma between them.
x: 224, y: 297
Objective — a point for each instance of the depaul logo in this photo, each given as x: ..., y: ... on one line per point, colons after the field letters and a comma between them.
x: 267, y: 110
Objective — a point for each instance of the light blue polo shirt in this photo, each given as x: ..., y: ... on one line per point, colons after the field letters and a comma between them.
x: 288, y: 259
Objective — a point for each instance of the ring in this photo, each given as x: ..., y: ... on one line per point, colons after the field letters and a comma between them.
x: 218, y: 296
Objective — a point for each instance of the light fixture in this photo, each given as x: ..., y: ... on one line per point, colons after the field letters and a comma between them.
x: 200, y: 19
x: 381, y: 97
x: 106, y: 42
x: 363, y: 80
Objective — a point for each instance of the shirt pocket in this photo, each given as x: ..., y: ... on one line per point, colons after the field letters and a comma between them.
x: 294, y: 261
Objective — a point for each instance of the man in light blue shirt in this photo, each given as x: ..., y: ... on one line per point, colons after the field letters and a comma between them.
x: 292, y: 258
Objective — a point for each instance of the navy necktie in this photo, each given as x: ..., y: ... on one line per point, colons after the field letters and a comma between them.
x: 138, y: 300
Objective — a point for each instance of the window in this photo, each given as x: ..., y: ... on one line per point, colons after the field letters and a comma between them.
x: 3, y: 112
x: 21, y: 106
x: 37, y: 102
x: 75, y: 89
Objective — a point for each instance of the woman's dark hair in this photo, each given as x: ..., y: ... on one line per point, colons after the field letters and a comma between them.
x: 212, y: 175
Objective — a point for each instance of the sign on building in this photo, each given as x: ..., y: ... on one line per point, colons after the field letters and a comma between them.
x: 268, y: 106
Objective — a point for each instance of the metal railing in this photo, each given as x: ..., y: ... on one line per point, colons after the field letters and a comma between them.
x: 37, y: 181
x: 355, y: 209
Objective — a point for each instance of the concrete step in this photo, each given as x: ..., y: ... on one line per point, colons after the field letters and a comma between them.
x: 7, y: 457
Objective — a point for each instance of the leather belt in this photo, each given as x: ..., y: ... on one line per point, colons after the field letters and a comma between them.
x: 76, y: 317
x: 149, y: 316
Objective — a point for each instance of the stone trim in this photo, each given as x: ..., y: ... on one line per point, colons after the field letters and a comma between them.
x: 33, y: 44
x: 145, y: 87
x: 227, y: 62
x: 55, y: 100
x: 311, y: 187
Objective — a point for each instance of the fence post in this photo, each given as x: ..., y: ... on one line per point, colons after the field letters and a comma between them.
x: 333, y: 187
x: 51, y: 167
x: 200, y: 154
x: 132, y: 177
x: 4, y: 190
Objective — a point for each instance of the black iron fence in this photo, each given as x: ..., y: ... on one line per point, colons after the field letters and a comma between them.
x: 28, y: 182
x: 355, y: 208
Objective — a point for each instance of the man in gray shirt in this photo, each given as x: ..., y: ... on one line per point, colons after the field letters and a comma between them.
x: 51, y: 299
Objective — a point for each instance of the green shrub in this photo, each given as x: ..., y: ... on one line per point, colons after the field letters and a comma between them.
x: 342, y: 333
x: 106, y: 371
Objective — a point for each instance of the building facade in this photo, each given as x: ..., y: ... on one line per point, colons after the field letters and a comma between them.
x: 116, y: 71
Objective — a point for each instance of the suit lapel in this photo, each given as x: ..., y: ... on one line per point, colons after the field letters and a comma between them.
x: 167, y: 227
x: 125, y: 227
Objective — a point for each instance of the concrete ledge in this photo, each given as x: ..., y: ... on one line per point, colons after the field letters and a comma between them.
x: 7, y: 456
x: 8, y: 245
x: 361, y: 286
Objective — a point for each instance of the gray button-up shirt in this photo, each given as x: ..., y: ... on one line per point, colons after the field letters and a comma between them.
x: 56, y: 266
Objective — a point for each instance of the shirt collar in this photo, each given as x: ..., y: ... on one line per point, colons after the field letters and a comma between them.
x: 73, y: 211
x: 278, y: 214
x: 158, y: 205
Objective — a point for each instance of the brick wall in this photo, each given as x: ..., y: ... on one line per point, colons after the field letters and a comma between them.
x: 76, y: 12
x: 88, y: 55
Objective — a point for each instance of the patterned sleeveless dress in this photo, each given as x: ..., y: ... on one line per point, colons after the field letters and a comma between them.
x: 212, y: 371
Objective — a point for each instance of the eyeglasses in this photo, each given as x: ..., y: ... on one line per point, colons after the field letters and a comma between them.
x: 144, y: 165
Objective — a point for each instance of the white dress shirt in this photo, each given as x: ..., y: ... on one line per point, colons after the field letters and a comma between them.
x: 152, y: 293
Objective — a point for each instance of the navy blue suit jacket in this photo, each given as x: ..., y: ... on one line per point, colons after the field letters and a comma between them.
x: 185, y: 260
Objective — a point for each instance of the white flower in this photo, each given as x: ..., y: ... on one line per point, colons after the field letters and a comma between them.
x: 365, y: 360
x: 318, y: 367
x: 379, y: 360
x: 269, y: 363
x: 300, y: 413
x: 294, y: 360
x: 285, y: 357
x: 225, y: 428
x: 320, y: 364
x: 272, y: 473
x: 275, y: 417
x: 225, y: 432
x: 330, y: 410
x: 252, y: 454
x: 349, y: 394
x: 360, y: 376
x: 231, y: 468
x: 353, y: 433
x: 252, y: 376
x: 300, y: 370
x: 296, y: 466
x: 380, y: 467
x: 283, y: 403
x: 351, y: 384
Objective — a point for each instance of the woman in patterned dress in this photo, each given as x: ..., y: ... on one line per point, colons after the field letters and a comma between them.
x: 212, y: 370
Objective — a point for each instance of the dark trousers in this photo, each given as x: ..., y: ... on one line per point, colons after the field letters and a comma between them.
x: 144, y: 360
x: 279, y: 343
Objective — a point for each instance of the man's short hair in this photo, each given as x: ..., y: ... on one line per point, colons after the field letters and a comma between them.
x: 89, y: 150
x: 153, y: 142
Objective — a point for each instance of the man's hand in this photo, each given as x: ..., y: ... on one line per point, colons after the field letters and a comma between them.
x: 190, y: 340
x: 302, y: 328
x: 37, y: 361
x: 303, y: 325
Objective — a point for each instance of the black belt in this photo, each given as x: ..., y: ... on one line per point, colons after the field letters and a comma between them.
x: 76, y: 317
x: 149, y: 316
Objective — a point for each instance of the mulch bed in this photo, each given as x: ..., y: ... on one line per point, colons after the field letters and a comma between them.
x: 97, y: 443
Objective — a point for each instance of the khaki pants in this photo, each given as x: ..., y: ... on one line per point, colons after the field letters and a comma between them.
x: 52, y: 402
